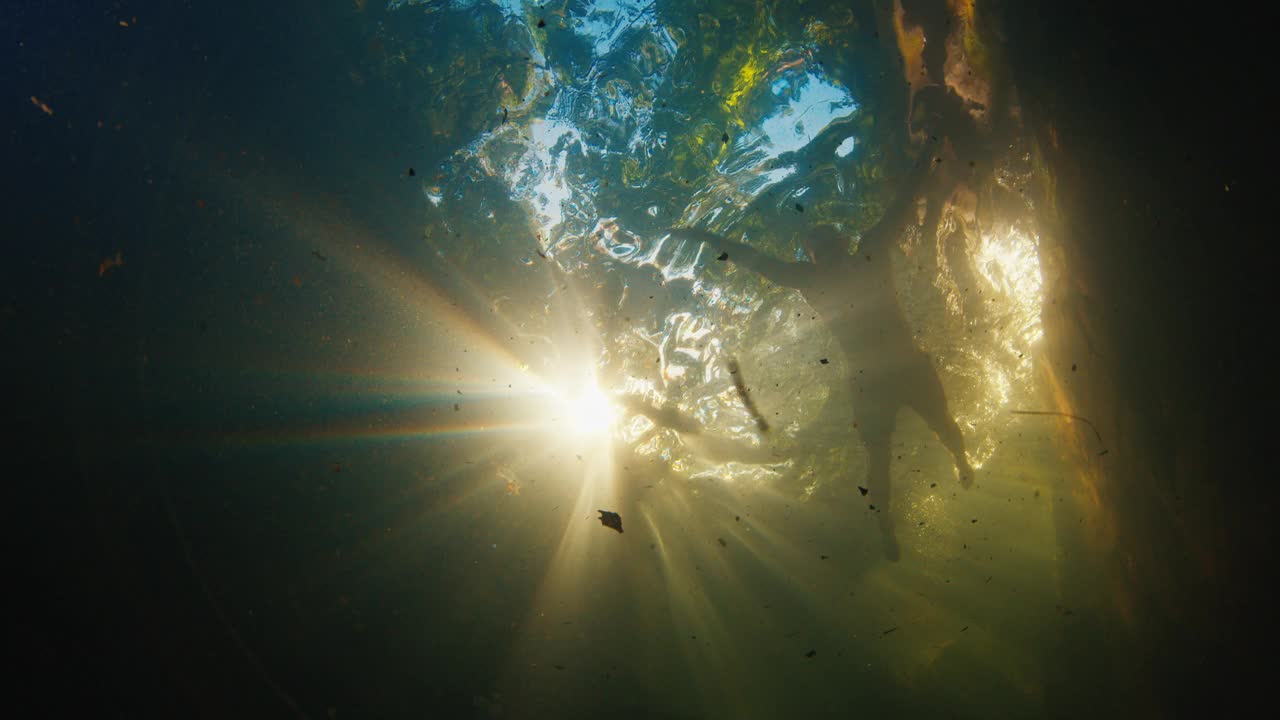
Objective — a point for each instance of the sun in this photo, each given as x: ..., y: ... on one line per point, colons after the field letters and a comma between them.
x: 586, y: 411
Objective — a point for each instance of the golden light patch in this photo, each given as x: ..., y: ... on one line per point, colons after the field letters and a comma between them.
x: 961, y: 9
x: 746, y: 79
x: 910, y: 46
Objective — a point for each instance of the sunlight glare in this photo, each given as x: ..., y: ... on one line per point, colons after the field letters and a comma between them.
x: 588, y: 412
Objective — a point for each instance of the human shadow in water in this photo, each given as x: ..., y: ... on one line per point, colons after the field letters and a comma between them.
x: 857, y: 300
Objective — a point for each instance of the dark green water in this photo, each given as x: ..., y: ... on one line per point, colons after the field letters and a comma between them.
x: 335, y: 325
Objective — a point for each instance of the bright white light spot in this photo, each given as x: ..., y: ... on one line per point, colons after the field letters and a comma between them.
x: 539, y: 176
x: 846, y: 147
x: 795, y: 123
x: 588, y: 412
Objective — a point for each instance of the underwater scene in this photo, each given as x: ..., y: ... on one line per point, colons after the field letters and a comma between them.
x: 569, y: 358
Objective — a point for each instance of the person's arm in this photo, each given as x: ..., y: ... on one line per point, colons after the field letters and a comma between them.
x: 667, y: 417
x: 789, y: 274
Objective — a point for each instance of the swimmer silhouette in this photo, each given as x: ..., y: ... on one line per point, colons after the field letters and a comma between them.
x: 856, y: 298
x: 950, y: 125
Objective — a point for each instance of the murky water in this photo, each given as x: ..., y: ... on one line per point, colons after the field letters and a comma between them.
x: 750, y: 581
x: 398, y: 354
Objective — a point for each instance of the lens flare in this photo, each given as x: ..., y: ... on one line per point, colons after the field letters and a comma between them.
x: 586, y: 412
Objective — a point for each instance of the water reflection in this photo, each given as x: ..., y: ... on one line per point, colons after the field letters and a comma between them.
x: 598, y: 376
x: 806, y: 107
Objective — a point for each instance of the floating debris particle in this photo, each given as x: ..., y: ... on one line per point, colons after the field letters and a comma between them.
x: 318, y: 256
x: 110, y: 262
x: 610, y: 520
x: 799, y: 208
x: 741, y: 387
x: 542, y: 23
x: 723, y: 256
x: 412, y: 172
x: 509, y: 479
x: 43, y: 108
x: 886, y: 632
x: 824, y: 361
x: 862, y: 490
x: 722, y: 542
x: 811, y: 653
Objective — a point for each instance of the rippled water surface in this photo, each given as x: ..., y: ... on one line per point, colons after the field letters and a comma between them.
x: 749, y: 580
x: 394, y: 399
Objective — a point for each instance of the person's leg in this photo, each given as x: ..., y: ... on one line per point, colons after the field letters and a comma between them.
x: 930, y: 402
x: 955, y: 248
x: 875, y: 427
x: 938, y: 192
x: 932, y: 17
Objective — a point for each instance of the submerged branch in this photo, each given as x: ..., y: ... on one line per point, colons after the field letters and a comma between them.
x: 750, y: 404
x: 1086, y: 421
